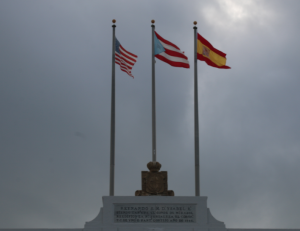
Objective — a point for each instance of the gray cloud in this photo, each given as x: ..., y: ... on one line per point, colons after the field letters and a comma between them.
x: 55, y: 83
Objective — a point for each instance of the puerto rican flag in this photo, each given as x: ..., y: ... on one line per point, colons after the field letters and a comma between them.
x: 125, y: 59
x: 169, y: 52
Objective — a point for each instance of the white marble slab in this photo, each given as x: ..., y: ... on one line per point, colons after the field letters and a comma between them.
x: 156, y: 213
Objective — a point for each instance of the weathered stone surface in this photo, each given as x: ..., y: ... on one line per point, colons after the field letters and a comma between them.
x: 154, y: 183
x: 154, y: 166
x: 155, y: 213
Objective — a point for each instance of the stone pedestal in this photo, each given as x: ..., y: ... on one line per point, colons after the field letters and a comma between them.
x: 154, y: 213
x: 154, y: 182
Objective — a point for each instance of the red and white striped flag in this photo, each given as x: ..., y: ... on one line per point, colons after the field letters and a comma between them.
x: 125, y: 59
x: 169, y: 52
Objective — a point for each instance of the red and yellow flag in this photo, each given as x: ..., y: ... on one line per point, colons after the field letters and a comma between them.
x: 213, y: 57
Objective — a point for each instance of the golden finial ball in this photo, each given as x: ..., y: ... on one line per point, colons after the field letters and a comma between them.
x: 114, y: 20
x: 153, y: 21
x: 195, y: 22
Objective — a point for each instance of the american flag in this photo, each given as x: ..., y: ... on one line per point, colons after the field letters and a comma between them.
x: 125, y: 59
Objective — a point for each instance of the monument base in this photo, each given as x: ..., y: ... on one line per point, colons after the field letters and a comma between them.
x: 154, y: 213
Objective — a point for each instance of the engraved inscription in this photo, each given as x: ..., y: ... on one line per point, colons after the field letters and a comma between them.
x: 158, y: 213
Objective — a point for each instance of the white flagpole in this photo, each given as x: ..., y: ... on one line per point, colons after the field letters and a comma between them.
x: 112, y: 118
x: 153, y: 98
x: 197, y: 150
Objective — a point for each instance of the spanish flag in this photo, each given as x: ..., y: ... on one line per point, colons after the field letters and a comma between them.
x: 206, y: 52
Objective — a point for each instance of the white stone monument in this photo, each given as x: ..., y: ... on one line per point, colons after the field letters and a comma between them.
x: 154, y: 213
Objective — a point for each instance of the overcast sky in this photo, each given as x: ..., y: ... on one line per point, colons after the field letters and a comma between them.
x: 55, y: 91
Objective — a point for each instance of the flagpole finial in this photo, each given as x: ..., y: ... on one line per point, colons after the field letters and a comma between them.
x: 195, y: 22
x: 114, y: 20
x: 153, y: 21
